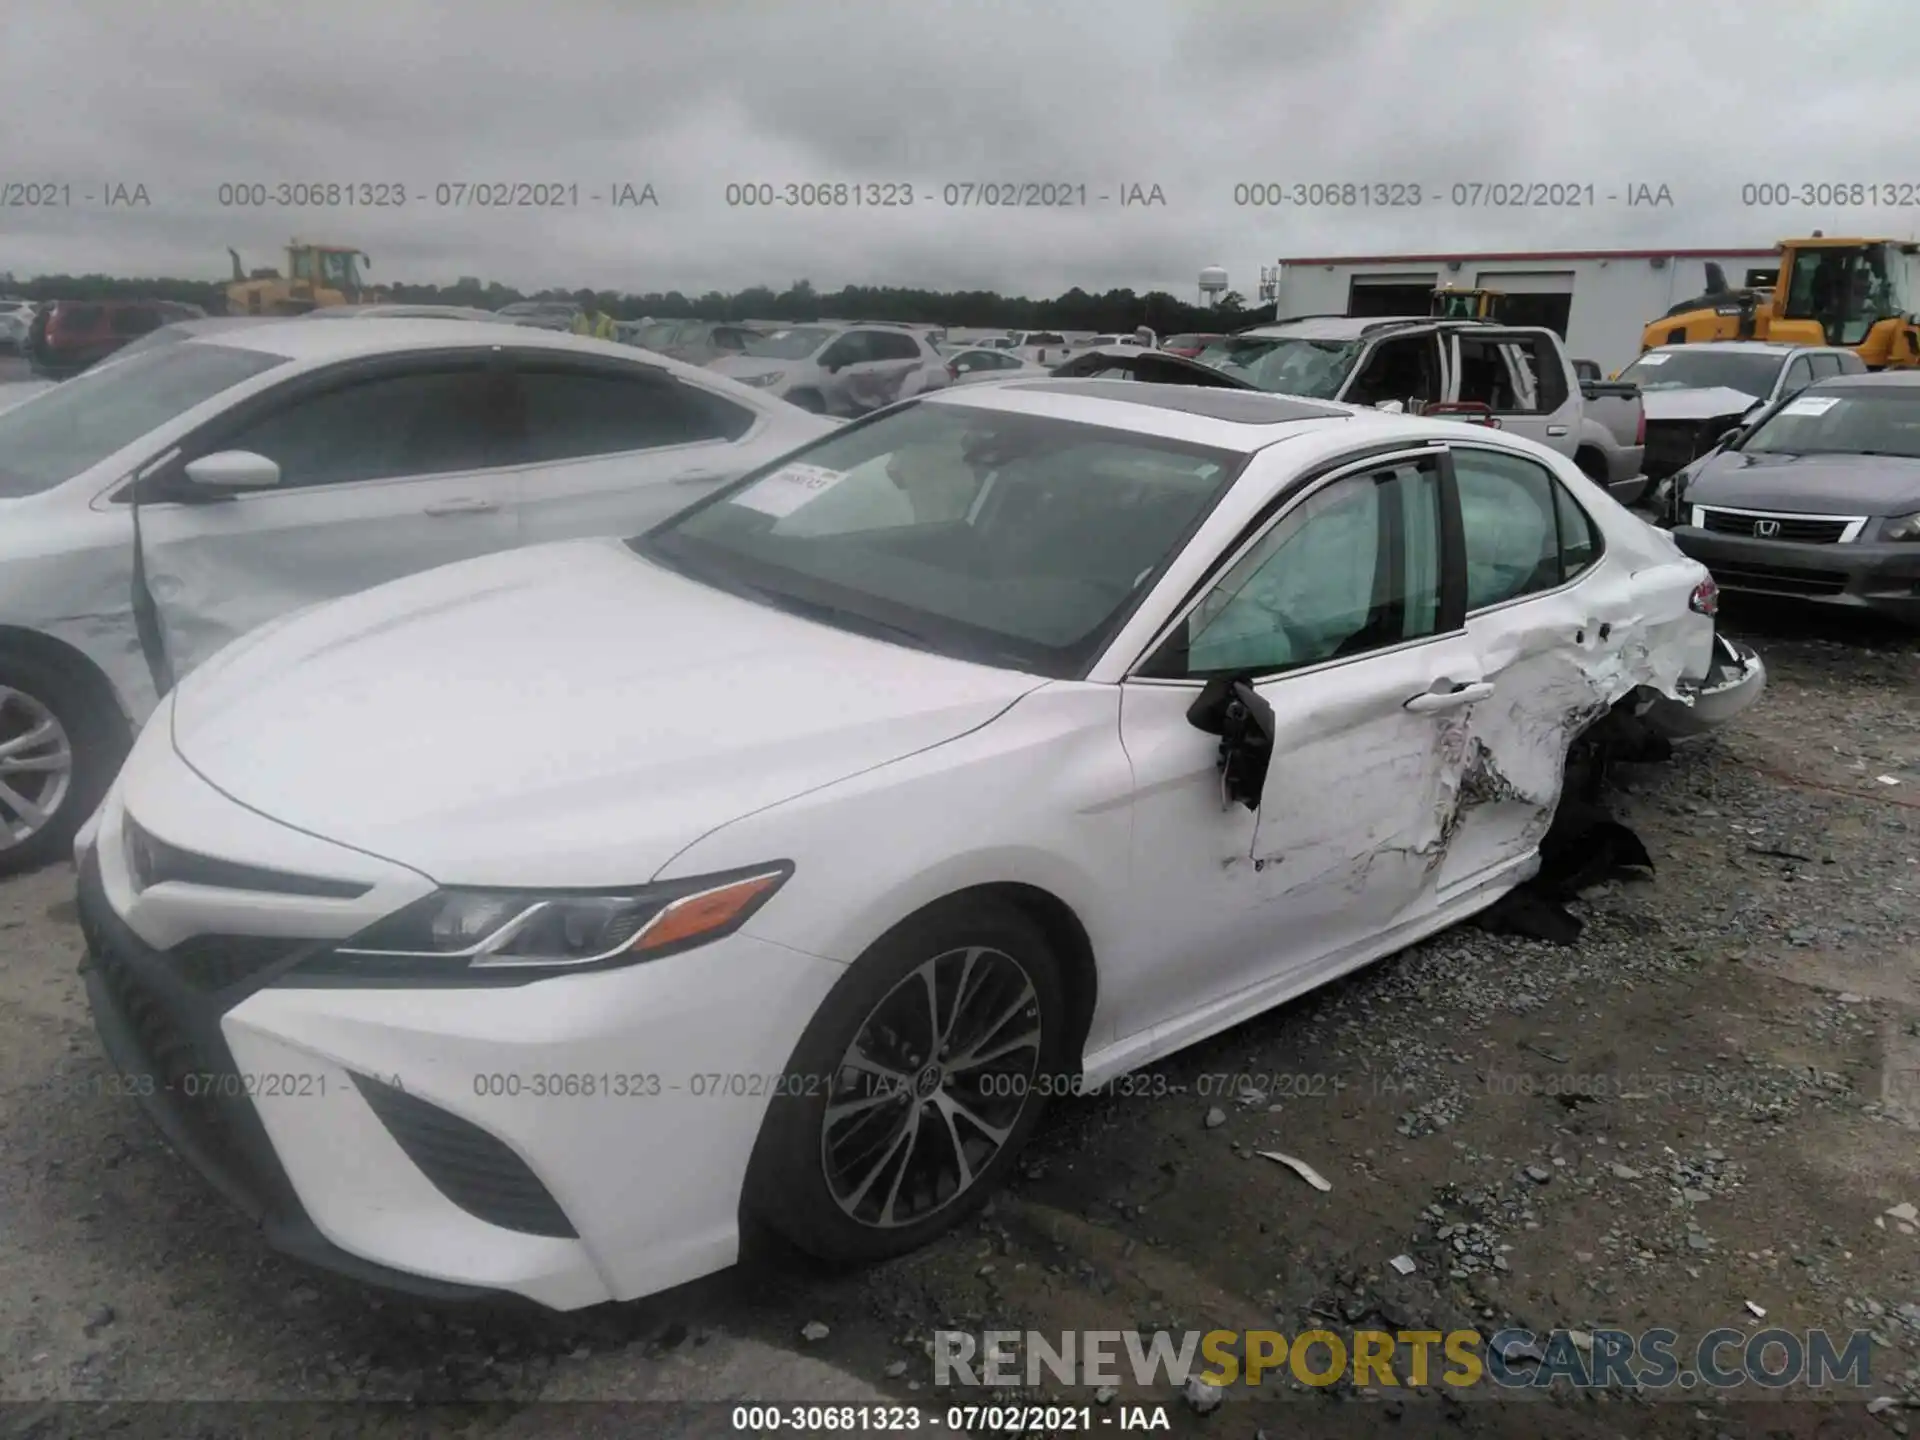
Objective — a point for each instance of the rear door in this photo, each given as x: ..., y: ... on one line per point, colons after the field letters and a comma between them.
x: 890, y: 365
x: 1522, y: 378
x: 1537, y: 627
x: 386, y: 470
x: 610, y: 449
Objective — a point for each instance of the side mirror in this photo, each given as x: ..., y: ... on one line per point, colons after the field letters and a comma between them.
x: 1727, y: 437
x: 233, y: 470
x: 1233, y: 710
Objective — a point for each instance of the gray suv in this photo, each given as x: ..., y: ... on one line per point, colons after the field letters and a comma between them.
x: 842, y: 370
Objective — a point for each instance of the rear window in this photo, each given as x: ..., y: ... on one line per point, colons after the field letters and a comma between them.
x: 76, y: 317
x: 77, y: 424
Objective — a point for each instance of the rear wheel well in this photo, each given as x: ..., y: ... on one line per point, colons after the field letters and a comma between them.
x: 1068, y: 939
x: 1592, y: 463
x: 89, y: 676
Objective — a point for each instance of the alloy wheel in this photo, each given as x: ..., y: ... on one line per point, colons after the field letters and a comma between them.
x: 931, y: 1088
x: 36, y: 767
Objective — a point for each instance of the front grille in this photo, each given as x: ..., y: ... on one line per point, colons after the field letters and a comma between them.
x: 152, y: 861
x: 473, y: 1169
x: 162, y: 1031
x: 1796, y: 528
x: 1773, y: 580
x: 219, y: 962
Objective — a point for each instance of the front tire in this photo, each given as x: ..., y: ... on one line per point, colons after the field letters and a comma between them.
x: 915, y: 1085
x: 58, y: 754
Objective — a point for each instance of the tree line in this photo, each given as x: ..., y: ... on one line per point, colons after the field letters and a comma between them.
x: 1115, y: 310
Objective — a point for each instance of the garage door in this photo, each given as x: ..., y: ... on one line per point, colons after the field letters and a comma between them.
x: 1371, y: 296
x: 1534, y: 297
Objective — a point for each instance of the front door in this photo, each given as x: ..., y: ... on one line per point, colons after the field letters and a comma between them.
x: 381, y: 475
x: 1338, y: 615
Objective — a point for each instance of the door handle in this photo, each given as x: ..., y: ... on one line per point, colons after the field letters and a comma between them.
x: 1556, y: 429
x: 1428, y: 701
x: 473, y: 505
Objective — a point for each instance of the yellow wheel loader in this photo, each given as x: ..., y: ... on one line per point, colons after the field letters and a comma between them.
x: 317, y: 276
x: 1851, y: 292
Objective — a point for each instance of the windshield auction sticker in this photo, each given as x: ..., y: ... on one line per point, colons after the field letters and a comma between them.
x: 1812, y: 405
x: 788, y: 488
x: 1652, y: 360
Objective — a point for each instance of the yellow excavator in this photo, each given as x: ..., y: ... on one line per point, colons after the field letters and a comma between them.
x: 1461, y: 303
x: 317, y: 276
x: 1859, y: 293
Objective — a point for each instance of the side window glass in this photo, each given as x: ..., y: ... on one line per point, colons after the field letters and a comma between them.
x: 1799, y: 376
x: 572, y: 414
x: 1352, y: 568
x: 425, y: 423
x: 849, y: 349
x: 893, y: 347
x: 1579, y: 537
x: 1510, y: 519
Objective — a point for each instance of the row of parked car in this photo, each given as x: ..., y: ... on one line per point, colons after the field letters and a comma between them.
x: 823, y: 796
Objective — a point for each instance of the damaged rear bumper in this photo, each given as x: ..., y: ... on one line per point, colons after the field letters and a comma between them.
x: 1736, y: 680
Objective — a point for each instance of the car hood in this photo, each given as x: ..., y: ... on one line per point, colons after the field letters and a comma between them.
x: 562, y: 715
x: 1808, y: 484
x: 1701, y: 404
x: 13, y: 392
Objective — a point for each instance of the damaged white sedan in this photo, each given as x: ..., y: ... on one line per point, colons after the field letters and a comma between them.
x: 530, y: 924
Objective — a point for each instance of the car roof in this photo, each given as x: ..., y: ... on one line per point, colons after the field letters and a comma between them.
x: 1234, y: 420
x: 1876, y: 380
x: 297, y: 338
x: 1747, y: 347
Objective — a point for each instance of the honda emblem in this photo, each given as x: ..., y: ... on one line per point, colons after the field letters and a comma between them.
x: 1766, y: 529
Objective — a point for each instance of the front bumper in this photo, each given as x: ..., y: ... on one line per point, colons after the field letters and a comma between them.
x: 626, y: 1103
x: 1879, y: 577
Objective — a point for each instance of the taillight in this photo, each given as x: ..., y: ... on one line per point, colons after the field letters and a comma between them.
x: 1640, y: 429
x: 953, y: 371
x: 1705, y: 599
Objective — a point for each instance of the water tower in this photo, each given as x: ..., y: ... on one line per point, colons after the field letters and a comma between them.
x: 1213, y: 284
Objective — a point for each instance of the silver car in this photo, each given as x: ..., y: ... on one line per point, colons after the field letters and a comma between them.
x: 280, y: 463
x: 839, y: 370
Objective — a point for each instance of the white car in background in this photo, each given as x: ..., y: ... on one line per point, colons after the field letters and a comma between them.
x: 970, y: 365
x: 285, y: 462
x: 843, y: 370
x: 780, y: 861
x: 16, y: 320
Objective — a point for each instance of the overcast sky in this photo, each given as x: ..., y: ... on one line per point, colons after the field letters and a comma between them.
x: 1701, y: 96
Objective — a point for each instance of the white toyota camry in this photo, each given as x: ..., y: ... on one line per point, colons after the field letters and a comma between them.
x: 525, y: 924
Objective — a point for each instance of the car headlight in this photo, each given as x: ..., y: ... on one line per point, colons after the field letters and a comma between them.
x: 772, y: 377
x: 469, y: 935
x: 1902, y: 527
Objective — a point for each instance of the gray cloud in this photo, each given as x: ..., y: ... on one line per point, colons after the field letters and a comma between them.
x: 1193, y: 97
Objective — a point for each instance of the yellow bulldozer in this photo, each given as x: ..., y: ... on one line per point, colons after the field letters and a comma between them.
x: 1859, y: 293
x: 317, y: 276
x: 1461, y: 303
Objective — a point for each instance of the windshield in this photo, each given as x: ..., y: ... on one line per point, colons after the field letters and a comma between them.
x: 76, y: 425
x: 1749, y: 372
x: 1867, y: 420
x: 786, y: 344
x: 1285, y: 364
x: 1013, y: 540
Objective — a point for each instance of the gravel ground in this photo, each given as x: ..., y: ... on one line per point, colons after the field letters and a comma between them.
x: 1714, y: 1099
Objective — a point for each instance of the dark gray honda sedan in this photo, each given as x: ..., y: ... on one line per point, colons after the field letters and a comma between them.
x: 1819, y: 498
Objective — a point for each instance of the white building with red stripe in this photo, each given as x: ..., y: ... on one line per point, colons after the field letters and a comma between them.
x: 1598, y: 300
